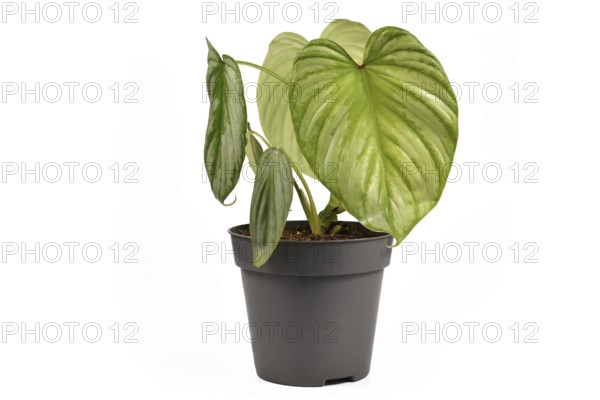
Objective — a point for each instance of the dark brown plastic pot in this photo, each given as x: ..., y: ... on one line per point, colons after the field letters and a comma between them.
x: 312, y: 307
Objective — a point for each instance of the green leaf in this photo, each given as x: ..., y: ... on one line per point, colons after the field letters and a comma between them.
x: 273, y: 100
x: 253, y: 149
x: 390, y: 129
x: 351, y: 35
x: 271, y: 200
x: 227, y: 119
x: 273, y: 103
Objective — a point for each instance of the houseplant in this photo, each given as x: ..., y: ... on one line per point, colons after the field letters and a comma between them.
x: 373, y: 117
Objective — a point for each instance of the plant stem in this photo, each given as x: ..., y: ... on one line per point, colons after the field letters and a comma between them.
x: 303, y: 200
x: 312, y: 214
x: 266, y: 70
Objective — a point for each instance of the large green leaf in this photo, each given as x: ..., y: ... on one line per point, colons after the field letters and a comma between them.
x: 273, y: 104
x: 390, y: 129
x: 227, y: 120
x: 271, y: 200
x: 273, y: 107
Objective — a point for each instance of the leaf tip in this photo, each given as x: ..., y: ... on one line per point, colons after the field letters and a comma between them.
x: 212, y: 52
x: 260, y: 255
x: 394, y: 245
x: 230, y: 204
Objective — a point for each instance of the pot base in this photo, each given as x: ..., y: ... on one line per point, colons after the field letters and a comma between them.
x: 318, y: 382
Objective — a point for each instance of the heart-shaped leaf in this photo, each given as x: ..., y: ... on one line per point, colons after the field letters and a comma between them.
x: 273, y: 107
x: 391, y: 128
x: 272, y: 100
x: 271, y: 200
x: 227, y: 120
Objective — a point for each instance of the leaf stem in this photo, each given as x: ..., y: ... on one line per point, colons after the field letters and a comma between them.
x: 312, y: 214
x: 261, y: 137
x: 266, y: 70
x: 303, y: 200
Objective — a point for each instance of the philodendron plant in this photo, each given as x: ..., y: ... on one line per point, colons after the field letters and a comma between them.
x: 371, y: 115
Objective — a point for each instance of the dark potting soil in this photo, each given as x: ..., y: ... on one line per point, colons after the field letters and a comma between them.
x: 303, y: 233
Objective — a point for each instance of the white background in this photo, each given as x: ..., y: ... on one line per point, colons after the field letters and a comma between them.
x: 177, y: 287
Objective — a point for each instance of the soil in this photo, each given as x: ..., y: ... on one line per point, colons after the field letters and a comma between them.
x: 302, y: 233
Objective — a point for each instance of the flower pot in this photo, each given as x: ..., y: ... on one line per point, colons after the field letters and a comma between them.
x: 312, y: 307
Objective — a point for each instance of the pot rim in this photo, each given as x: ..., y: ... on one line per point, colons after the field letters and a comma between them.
x: 312, y: 242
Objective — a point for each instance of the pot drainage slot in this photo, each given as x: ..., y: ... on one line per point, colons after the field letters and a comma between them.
x: 337, y: 381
